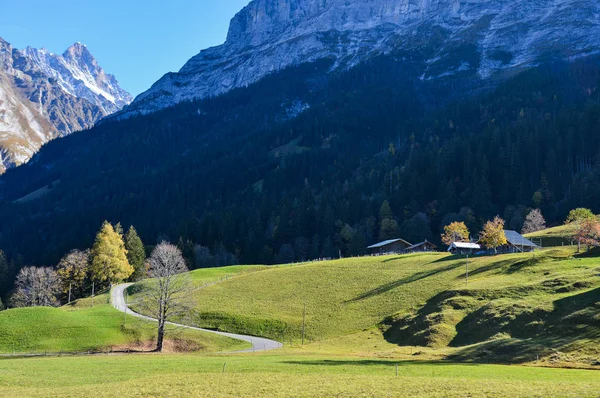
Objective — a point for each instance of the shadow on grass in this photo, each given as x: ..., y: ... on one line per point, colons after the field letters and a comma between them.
x: 533, y: 333
x: 368, y: 362
x: 393, y: 285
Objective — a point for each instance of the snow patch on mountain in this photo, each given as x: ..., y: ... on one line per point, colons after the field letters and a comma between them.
x: 44, y: 96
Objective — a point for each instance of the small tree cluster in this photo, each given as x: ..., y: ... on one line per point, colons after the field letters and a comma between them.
x: 113, y: 259
x: 36, y: 287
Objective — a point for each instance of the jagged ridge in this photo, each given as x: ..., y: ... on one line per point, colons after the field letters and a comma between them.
x: 269, y: 35
x: 44, y: 96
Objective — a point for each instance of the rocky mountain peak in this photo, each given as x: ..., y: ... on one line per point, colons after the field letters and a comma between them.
x: 79, y: 53
x: 45, y: 95
x: 481, y: 37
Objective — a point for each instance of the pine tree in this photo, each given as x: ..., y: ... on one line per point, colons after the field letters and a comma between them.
x: 4, y: 277
x: 109, y: 257
x: 136, y: 254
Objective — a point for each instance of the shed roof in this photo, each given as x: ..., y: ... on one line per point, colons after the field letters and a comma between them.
x: 388, y: 242
x: 516, y: 239
x: 420, y: 244
x: 464, y: 245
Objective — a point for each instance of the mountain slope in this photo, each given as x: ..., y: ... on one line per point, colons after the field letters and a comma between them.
x: 299, y: 164
x: 482, y: 38
x: 44, y: 96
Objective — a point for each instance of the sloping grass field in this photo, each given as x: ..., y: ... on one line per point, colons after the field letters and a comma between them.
x: 364, y: 317
x: 556, y: 236
x: 515, y: 308
x: 80, y: 328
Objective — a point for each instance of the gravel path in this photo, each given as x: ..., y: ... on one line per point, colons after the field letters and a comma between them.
x: 258, y: 343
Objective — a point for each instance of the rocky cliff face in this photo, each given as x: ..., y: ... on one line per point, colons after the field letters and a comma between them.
x: 44, y: 96
x: 481, y: 37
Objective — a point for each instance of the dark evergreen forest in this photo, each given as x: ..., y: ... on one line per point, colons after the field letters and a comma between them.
x: 308, y: 164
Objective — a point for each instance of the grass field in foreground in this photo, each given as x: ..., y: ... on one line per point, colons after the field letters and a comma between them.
x: 81, y: 328
x: 268, y: 375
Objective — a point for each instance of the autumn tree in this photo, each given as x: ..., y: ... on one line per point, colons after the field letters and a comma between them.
x: 136, y: 254
x: 169, y: 295
x: 73, y: 271
x: 455, y: 232
x: 588, y: 233
x: 36, y: 287
x: 579, y: 214
x: 534, y: 222
x: 493, y: 235
x: 109, y: 263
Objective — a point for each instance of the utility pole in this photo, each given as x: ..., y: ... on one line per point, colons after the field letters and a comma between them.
x: 69, y: 293
x: 303, y: 323
x: 93, y: 294
x: 467, y: 274
x: 125, y: 313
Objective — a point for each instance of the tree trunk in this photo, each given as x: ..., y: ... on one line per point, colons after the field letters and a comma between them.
x: 161, y: 336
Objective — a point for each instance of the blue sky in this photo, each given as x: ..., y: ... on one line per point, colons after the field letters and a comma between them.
x: 136, y: 40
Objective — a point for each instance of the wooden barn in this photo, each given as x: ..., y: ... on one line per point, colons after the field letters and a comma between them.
x: 464, y: 248
x: 517, y: 243
x: 389, y: 247
x: 422, y: 247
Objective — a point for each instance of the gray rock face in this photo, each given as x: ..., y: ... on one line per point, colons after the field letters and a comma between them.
x: 269, y: 35
x: 44, y: 96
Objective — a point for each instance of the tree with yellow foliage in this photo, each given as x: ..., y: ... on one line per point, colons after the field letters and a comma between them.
x: 455, y: 232
x: 109, y: 257
x: 493, y: 235
x: 73, y: 272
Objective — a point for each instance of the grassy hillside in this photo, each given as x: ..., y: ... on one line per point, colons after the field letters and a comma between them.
x: 515, y: 308
x: 557, y: 236
x: 282, y: 376
x: 81, y: 328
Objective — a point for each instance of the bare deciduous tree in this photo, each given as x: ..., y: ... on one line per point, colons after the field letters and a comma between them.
x: 168, y: 296
x: 36, y: 287
x: 534, y: 222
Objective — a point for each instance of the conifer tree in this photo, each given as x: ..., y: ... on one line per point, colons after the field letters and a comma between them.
x: 136, y: 254
x: 109, y: 257
x: 4, y: 277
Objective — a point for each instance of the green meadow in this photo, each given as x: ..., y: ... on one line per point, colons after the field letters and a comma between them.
x: 412, y: 325
x: 81, y: 328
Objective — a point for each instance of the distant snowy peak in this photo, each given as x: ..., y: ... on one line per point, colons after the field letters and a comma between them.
x: 44, y: 96
x: 78, y: 73
x: 481, y: 37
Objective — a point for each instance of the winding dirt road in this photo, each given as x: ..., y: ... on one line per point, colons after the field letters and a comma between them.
x: 258, y: 343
